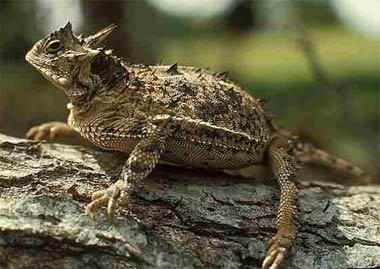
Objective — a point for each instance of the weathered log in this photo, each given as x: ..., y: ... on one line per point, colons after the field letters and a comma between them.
x: 178, y: 218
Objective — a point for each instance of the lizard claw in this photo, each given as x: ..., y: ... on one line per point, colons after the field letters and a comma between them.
x: 279, y: 248
x: 39, y: 133
x: 107, y: 197
x: 46, y: 131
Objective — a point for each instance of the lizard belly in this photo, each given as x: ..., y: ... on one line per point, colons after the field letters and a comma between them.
x: 179, y: 151
x: 113, y: 143
x: 208, y: 156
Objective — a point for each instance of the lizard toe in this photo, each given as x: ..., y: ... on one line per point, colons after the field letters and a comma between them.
x: 113, y: 200
x: 37, y: 133
x: 31, y: 133
x: 274, y: 258
x: 99, y: 194
x: 278, y: 249
x: 99, y: 198
x: 42, y: 132
x: 109, y: 197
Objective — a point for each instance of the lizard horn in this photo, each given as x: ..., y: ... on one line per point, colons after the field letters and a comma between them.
x: 95, y: 39
x: 67, y: 27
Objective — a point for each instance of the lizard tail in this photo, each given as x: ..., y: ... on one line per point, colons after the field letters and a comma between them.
x: 307, y: 153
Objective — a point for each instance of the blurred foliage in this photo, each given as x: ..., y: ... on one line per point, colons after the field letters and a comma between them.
x: 17, y: 28
x: 266, y: 60
x: 138, y: 29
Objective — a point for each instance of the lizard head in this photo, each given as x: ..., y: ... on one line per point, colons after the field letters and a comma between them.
x: 68, y: 61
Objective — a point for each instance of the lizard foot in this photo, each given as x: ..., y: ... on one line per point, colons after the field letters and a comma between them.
x: 279, y: 247
x: 46, y: 131
x: 107, y: 197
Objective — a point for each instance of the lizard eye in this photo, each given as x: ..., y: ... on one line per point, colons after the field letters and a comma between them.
x: 53, y: 46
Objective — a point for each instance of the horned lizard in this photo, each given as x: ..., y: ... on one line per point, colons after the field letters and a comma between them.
x: 182, y: 115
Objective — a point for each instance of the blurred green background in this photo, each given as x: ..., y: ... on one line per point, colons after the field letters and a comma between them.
x: 316, y: 62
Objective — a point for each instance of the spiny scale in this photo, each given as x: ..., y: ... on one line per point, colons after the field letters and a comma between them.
x: 222, y: 75
x: 173, y: 69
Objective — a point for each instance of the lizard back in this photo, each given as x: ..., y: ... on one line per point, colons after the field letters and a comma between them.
x: 220, y: 125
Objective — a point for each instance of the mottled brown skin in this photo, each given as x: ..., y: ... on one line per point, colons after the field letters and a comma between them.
x: 181, y: 115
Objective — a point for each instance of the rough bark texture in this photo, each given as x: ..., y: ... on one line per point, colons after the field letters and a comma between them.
x: 179, y: 218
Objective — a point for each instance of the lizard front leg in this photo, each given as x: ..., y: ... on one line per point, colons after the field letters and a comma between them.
x: 284, y: 165
x: 140, y: 163
x: 49, y: 131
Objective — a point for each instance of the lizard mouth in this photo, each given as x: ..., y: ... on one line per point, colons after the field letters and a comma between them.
x: 59, y: 81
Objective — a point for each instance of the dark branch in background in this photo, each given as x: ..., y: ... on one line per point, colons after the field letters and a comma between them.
x: 136, y: 38
x: 307, y: 47
x: 242, y: 17
x: 325, y: 81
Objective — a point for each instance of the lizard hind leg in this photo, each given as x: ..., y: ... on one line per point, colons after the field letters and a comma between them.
x: 284, y: 165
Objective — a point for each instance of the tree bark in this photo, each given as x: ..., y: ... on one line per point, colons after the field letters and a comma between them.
x: 178, y: 218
